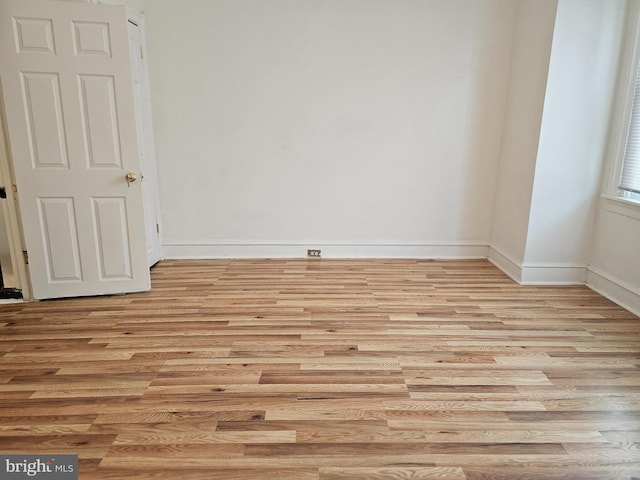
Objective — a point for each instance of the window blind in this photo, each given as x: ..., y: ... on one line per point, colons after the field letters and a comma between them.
x: 630, y: 178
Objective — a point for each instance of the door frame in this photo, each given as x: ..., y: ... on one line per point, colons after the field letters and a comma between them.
x: 137, y: 18
x: 11, y: 211
x: 144, y: 123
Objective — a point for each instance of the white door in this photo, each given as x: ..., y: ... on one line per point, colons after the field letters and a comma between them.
x: 66, y: 84
x: 146, y: 151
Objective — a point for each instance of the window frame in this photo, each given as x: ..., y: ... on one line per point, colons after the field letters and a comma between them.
x: 623, y: 106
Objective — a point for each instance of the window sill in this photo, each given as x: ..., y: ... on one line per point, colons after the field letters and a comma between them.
x: 622, y: 206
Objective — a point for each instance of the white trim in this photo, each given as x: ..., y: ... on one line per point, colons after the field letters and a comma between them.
x: 621, y: 206
x: 623, y: 102
x: 537, y: 273
x: 618, y: 291
x: 4, y: 301
x: 506, y: 263
x: 132, y: 13
x: 553, y: 274
x: 299, y: 250
x: 13, y: 220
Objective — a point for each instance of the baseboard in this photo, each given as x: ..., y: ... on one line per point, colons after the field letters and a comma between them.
x: 241, y: 250
x: 538, y: 274
x: 506, y: 263
x: 614, y: 289
x: 553, y: 274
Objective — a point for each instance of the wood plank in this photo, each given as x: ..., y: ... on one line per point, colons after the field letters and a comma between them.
x: 391, y: 473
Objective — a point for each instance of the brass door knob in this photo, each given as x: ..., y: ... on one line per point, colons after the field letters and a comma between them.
x: 131, y: 177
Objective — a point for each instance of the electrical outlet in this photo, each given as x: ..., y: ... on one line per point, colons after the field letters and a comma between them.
x: 313, y: 253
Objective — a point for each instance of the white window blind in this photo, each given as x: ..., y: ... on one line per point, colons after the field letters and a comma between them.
x: 630, y: 178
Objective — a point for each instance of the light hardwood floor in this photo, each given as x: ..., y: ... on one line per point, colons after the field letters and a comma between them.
x: 326, y: 369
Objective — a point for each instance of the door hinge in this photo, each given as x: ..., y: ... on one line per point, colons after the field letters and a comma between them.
x: 25, y: 254
x: 141, y: 53
x: 15, y: 189
x: 158, y: 228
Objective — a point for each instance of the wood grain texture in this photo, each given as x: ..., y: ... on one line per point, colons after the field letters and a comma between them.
x: 326, y: 370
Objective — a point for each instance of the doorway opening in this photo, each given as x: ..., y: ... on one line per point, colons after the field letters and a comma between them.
x: 14, y: 284
x: 8, y: 279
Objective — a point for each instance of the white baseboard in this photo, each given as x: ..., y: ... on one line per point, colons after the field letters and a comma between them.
x: 614, y: 289
x: 553, y: 274
x: 538, y: 274
x: 237, y: 250
x: 506, y: 263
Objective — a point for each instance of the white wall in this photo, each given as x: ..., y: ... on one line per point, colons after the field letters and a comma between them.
x: 533, y: 32
x: 614, y: 268
x: 328, y: 122
x: 615, y: 260
x: 563, y: 79
x: 406, y: 128
x: 135, y: 4
x: 577, y: 107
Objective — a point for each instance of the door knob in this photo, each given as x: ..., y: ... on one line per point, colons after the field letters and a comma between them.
x: 131, y: 177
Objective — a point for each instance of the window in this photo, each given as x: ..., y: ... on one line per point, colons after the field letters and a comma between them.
x: 624, y: 167
x: 629, y: 185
